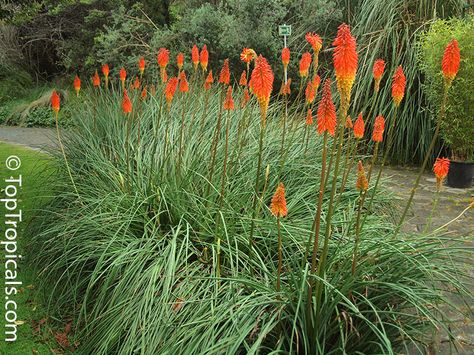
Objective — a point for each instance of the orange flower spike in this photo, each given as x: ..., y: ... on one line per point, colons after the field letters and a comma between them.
x: 209, y: 81
x: 286, y: 88
x: 204, y: 58
x: 359, y: 127
x: 224, y: 77
x: 123, y: 76
x: 379, y: 127
x: 398, y: 86
x: 55, y: 102
x: 378, y: 70
x: 96, y: 79
x: 316, y: 83
x: 141, y: 65
x: 348, y: 123
x: 261, y: 84
x: 183, y: 82
x: 315, y: 41
x: 77, y: 85
x: 229, y: 101
x: 195, y: 56
x: 245, y: 98
x: 361, y: 184
x: 143, y: 94
x: 180, y: 60
x: 326, y: 115
x: 126, y: 103
x: 441, y: 169
x: 285, y: 57
x: 247, y: 55
x: 136, y: 83
x: 451, y: 61
x: 243, y: 79
x: 170, y: 90
x: 278, y: 204
x: 163, y: 57
x: 309, y: 117
x: 105, y: 71
x: 305, y: 62
x: 345, y: 60
x: 310, y: 93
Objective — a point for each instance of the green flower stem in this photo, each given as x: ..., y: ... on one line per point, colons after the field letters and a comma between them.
x: 357, y: 231
x: 257, y: 180
x: 280, y: 255
x: 56, y: 114
x: 442, y: 114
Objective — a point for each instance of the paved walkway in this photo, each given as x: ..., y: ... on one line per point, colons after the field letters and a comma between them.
x: 450, y: 204
x: 36, y: 138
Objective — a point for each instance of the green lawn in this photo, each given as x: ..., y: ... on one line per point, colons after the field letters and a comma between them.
x: 29, y: 309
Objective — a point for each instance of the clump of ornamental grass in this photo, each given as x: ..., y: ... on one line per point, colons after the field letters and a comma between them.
x: 162, y: 236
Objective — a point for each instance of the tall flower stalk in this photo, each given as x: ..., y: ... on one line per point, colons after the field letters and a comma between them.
x: 55, y: 106
x: 345, y: 64
x: 450, y: 68
x: 261, y: 84
x: 279, y: 210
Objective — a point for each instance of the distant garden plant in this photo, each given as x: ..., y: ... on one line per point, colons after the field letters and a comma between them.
x: 162, y: 234
x: 457, y: 126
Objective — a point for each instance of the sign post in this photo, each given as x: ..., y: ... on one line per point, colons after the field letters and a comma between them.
x: 284, y: 30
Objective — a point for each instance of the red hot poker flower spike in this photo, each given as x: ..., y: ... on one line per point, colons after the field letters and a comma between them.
x: 229, y: 101
x: 183, y: 82
x: 195, y: 56
x: 285, y: 88
x: 310, y: 93
x: 261, y: 84
x: 326, y: 111
x: 378, y: 70
x: 243, y: 79
x: 361, y: 184
x: 163, y: 57
x: 141, y: 65
x: 305, y: 62
x: 105, y: 70
x: 315, y: 41
x: 451, y: 60
x: 278, y: 204
x: 379, y: 127
x: 204, y: 58
x: 77, y: 85
x: 309, y: 117
x: 359, y: 127
x: 345, y: 60
x: 398, y: 86
x: 96, y: 79
x: 55, y: 101
x: 224, y: 77
x: 285, y: 57
x: 180, y: 60
x: 441, y: 169
x: 348, y: 123
x: 170, y: 90
x: 123, y: 74
x: 126, y: 103
x: 209, y: 81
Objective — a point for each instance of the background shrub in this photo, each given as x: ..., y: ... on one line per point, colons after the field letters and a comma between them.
x: 457, y: 128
